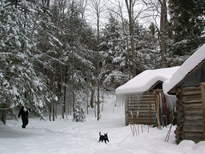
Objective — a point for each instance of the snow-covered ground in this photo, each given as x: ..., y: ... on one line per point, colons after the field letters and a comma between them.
x: 67, y: 137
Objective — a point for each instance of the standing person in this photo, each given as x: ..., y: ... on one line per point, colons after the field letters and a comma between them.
x: 24, y: 116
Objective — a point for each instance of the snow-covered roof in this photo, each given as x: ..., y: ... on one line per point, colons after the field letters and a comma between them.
x: 185, y: 68
x: 146, y: 80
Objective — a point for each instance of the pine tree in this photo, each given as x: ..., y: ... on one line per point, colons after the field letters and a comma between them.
x: 114, y: 55
x: 187, y: 19
x: 19, y: 81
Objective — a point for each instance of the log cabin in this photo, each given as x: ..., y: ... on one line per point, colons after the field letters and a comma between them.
x: 145, y: 102
x: 188, y: 84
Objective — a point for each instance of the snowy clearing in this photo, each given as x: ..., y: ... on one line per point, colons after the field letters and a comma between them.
x: 67, y: 137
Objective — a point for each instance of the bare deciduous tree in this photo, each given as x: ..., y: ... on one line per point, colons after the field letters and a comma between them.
x: 159, y: 7
x: 82, y: 6
x: 45, y: 3
x: 163, y: 31
x: 98, y: 7
x: 130, y: 10
x: 133, y: 13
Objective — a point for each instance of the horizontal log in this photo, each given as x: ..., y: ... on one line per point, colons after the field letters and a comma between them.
x: 192, y: 121
x: 141, y: 100
x: 197, y: 124
x: 142, y: 116
x: 149, y: 120
x: 191, y: 98
x: 186, y: 110
x: 144, y: 105
x: 191, y: 93
x: 141, y: 111
x: 148, y: 95
x: 135, y: 108
x: 192, y: 129
x: 197, y: 136
x: 192, y: 101
x: 193, y: 118
x: 193, y: 112
x: 140, y: 105
x: 141, y: 96
x: 191, y: 88
x: 193, y: 107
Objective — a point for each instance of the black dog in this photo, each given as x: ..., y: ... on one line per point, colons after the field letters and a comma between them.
x: 103, y: 137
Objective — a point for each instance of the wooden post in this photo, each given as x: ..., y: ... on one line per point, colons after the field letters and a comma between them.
x: 203, y: 106
x: 157, y: 94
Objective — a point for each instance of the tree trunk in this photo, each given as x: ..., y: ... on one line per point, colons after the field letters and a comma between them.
x: 92, y: 98
x: 98, y: 67
x: 163, y: 32
x: 87, y: 100
x: 98, y: 101
x: 64, y: 98
x: 49, y: 111
x: 53, y: 110
x: 130, y: 11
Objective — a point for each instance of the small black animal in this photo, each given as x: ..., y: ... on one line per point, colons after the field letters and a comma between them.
x: 103, y: 137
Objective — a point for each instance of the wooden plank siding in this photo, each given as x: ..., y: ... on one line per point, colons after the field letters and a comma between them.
x: 141, y: 109
x: 190, y: 114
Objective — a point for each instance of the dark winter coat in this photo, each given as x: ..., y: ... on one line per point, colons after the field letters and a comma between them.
x: 23, y: 113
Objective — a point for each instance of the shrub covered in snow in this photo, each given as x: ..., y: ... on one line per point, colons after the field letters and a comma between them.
x: 78, y: 113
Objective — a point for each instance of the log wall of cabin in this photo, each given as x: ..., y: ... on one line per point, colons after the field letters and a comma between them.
x: 140, y: 109
x: 190, y: 112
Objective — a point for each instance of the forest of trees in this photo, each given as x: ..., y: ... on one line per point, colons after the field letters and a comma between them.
x: 50, y: 56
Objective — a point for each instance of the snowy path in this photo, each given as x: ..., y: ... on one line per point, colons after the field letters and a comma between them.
x: 67, y: 137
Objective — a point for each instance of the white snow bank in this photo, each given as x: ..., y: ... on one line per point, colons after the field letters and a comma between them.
x: 145, y: 80
x: 185, y: 68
